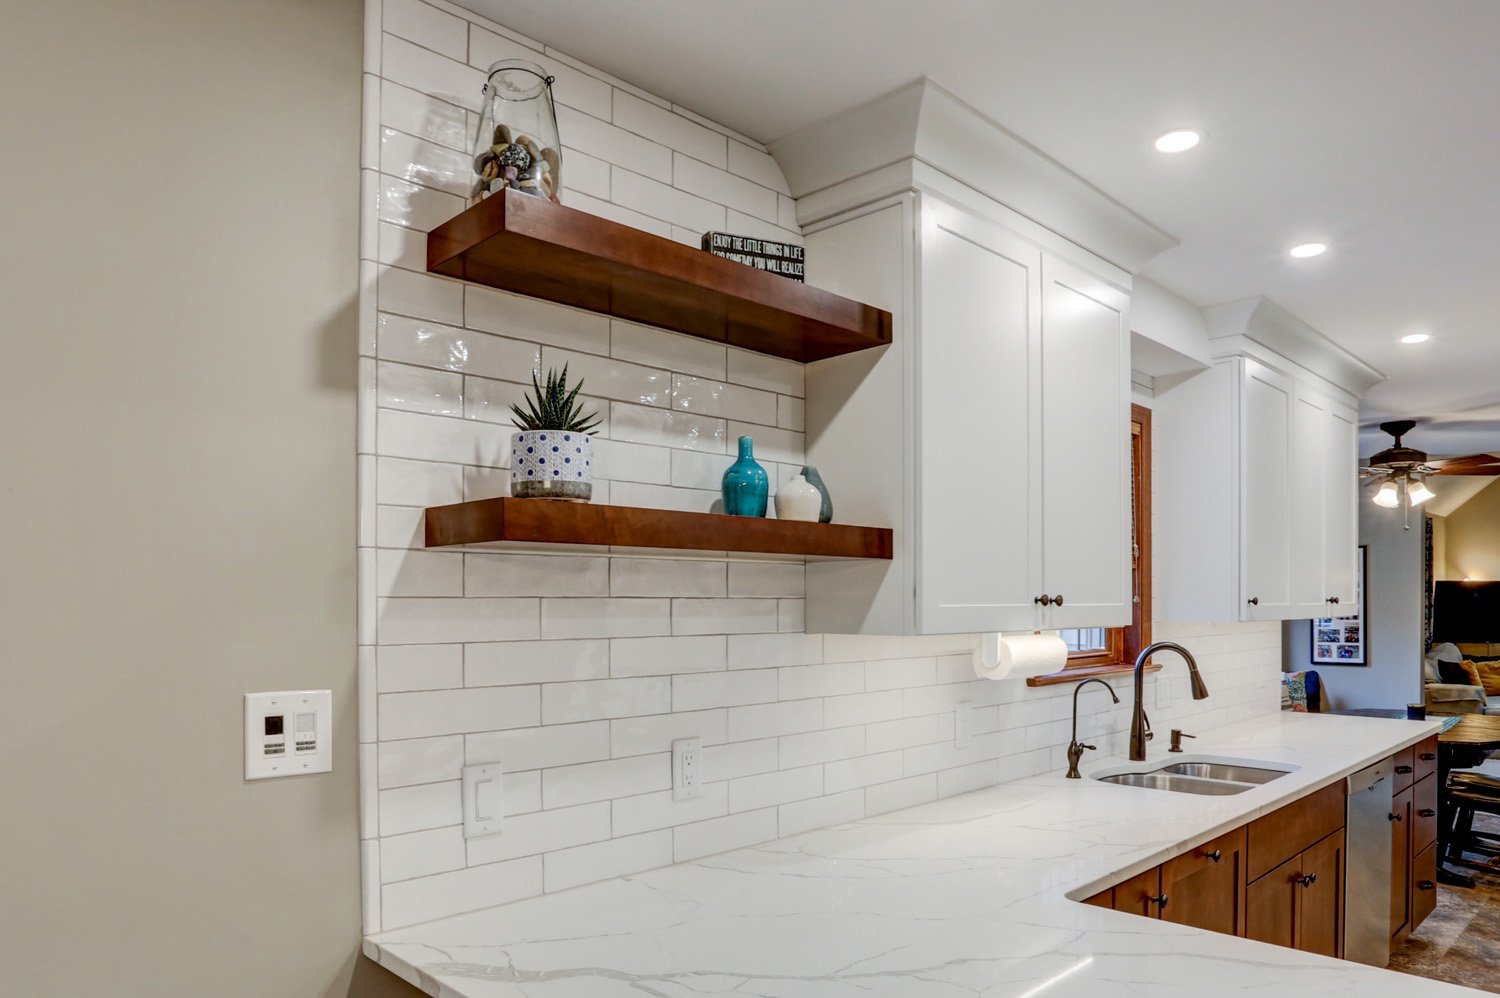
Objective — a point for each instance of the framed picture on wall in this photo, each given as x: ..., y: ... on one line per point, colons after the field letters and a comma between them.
x: 1343, y: 640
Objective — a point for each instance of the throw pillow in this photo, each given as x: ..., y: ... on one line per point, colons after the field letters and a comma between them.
x: 1455, y: 674
x: 1472, y: 671
x: 1489, y: 676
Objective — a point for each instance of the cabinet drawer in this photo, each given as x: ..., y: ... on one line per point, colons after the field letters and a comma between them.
x: 1424, y: 884
x: 1425, y: 763
x: 1424, y: 813
x: 1277, y: 837
x: 1406, y: 768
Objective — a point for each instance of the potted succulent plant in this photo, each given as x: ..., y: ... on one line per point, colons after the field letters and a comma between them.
x: 552, y: 454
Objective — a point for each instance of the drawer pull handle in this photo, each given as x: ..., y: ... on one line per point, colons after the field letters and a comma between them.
x: 1426, y: 885
x: 1333, y: 599
x: 1160, y: 901
x: 1403, y: 770
x: 1427, y: 756
x: 1394, y: 817
x: 1308, y: 880
x: 1216, y: 855
x: 1253, y: 601
x: 1427, y: 812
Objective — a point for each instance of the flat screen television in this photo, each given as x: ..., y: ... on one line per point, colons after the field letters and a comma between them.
x: 1466, y: 612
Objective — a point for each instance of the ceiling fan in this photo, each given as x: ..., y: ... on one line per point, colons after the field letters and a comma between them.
x: 1402, y: 472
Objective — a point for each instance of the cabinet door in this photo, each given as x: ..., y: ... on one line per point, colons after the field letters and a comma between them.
x: 1401, y: 853
x: 1140, y: 894
x: 1085, y: 431
x: 1340, y: 507
x: 1424, y: 885
x: 1320, y: 908
x: 1266, y: 493
x: 1271, y: 905
x: 976, y: 455
x: 1206, y: 887
x: 1310, y: 480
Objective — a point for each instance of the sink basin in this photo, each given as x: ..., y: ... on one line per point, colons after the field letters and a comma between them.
x: 1178, y: 783
x: 1223, y: 771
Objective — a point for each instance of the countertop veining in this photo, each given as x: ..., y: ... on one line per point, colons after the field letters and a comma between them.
x: 965, y: 896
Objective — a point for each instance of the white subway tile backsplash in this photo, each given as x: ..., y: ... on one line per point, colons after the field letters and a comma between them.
x: 521, y: 749
x: 616, y: 146
x: 575, y: 669
x: 602, y: 860
x: 563, y: 703
x: 535, y: 575
x: 510, y: 663
x: 536, y: 321
x: 563, y: 786
x: 411, y: 761
x: 697, y: 691
x: 441, y: 712
x: 750, y: 792
x: 648, y: 812
x: 663, y: 348
x: 605, y: 618
x: 403, y: 668
x: 543, y: 831
x: 661, y: 125
x: 722, y: 187
x: 666, y: 655
x: 642, y: 735
x: 723, y: 616
x: 735, y: 831
x: 432, y: 621
x: 420, y: 854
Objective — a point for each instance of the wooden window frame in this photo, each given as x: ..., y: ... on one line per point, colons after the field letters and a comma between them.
x: 1123, y: 644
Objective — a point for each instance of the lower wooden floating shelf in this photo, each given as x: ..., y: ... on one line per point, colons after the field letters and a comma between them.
x: 485, y: 521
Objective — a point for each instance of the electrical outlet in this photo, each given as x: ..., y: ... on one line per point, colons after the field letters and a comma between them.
x: 687, y: 769
x: 963, y: 725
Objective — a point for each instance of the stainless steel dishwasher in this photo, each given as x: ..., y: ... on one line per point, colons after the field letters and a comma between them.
x: 1367, y: 863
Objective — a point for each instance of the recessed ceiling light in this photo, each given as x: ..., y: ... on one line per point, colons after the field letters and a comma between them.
x: 1305, y: 250
x: 1416, y: 338
x: 1179, y: 140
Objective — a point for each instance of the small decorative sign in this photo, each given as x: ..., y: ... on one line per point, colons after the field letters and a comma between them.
x: 773, y: 257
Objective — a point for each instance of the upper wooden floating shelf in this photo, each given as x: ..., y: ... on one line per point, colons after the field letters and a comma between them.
x: 531, y: 246
x: 548, y: 521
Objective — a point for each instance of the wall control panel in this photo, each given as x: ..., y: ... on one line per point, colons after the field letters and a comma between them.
x: 288, y: 733
x: 483, y: 802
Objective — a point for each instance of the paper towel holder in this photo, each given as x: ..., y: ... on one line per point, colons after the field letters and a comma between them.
x: 988, y: 651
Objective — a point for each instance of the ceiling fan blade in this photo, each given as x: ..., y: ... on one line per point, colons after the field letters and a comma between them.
x: 1471, y: 464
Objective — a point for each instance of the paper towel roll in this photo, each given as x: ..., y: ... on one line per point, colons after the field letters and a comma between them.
x: 1002, y: 655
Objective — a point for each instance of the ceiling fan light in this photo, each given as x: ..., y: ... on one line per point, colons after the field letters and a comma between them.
x: 1387, y: 495
x: 1417, y: 492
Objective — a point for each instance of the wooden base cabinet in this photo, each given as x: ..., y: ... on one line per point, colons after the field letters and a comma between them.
x: 1204, y: 888
x: 1413, y: 839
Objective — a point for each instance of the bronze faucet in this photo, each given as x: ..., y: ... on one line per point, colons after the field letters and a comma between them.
x: 1140, y: 727
x: 1075, y: 747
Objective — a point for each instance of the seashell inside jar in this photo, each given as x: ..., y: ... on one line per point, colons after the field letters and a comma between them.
x: 517, y: 145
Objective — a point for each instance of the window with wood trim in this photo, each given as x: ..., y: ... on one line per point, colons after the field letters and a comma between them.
x: 1096, y: 650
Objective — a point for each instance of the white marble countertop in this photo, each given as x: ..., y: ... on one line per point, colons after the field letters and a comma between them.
x: 966, y: 896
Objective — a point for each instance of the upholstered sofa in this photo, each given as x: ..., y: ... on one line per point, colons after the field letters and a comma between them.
x: 1454, y: 698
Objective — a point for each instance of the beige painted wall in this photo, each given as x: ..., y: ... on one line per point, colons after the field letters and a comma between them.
x: 177, y: 490
x: 1474, y: 537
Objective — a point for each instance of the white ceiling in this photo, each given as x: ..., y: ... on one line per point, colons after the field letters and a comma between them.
x: 1367, y: 124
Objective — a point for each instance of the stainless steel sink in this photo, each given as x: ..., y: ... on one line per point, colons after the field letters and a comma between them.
x: 1223, y: 771
x: 1178, y: 783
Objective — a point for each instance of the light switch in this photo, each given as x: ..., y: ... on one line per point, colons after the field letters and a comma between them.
x: 483, y: 803
x: 288, y: 733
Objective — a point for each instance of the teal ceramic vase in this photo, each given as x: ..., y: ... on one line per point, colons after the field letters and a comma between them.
x: 825, y: 514
x: 746, y: 486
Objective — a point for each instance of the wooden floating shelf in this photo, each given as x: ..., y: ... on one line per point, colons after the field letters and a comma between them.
x: 548, y: 521
x: 531, y: 246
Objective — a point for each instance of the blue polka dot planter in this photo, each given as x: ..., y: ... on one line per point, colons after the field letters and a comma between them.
x: 552, y: 464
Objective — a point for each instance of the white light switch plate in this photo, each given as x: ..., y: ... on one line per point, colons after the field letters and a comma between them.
x: 288, y: 733
x: 963, y: 725
x: 482, y: 800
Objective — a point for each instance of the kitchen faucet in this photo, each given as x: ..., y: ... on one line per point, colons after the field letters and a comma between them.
x: 1140, y: 728
x: 1075, y: 747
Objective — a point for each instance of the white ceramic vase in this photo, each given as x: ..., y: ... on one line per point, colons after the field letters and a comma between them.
x: 798, y: 500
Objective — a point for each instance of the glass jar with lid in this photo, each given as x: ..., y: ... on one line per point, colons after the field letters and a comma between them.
x: 517, y: 145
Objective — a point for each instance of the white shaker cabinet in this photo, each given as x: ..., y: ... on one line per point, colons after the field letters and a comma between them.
x: 993, y: 433
x: 1255, y: 470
